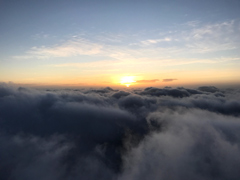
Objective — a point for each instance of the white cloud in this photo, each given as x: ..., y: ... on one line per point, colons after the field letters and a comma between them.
x: 155, y: 41
x: 212, y: 37
x: 68, y: 49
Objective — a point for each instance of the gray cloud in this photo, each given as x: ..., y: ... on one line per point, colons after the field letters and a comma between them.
x: 179, y: 92
x: 194, y: 144
x: 111, y: 134
x: 168, y: 80
x: 210, y: 89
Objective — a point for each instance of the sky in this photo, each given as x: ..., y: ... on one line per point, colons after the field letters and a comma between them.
x: 118, y: 43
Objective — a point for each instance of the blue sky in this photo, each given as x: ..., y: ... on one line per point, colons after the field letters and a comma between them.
x: 82, y: 41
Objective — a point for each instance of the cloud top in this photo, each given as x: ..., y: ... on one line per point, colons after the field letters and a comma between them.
x: 112, y: 134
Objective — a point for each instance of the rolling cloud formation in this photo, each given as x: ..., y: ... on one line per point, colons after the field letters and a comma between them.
x: 152, y: 133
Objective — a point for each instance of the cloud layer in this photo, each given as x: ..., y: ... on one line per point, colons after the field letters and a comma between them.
x: 111, y: 134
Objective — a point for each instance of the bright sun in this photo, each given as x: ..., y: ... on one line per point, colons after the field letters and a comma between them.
x: 127, y: 80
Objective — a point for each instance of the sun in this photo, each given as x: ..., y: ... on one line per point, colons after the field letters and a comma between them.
x: 127, y: 80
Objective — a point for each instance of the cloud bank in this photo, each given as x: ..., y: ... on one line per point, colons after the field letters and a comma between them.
x: 147, y: 133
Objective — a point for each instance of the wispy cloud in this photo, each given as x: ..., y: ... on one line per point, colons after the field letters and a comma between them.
x: 212, y: 37
x: 155, y: 41
x: 197, y: 38
x: 77, y: 47
x: 40, y: 36
x: 68, y: 49
x: 192, y: 23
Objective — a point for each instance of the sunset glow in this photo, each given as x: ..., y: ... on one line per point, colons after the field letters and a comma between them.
x: 127, y: 80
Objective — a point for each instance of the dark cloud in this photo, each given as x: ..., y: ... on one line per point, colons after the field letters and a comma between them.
x: 100, y: 91
x: 179, y: 92
x: 210, y: 89
x: 227, y: 104
x: 147, y: 81
x: 110, y: 134
x: 120, y: 94
x: 168, y: 80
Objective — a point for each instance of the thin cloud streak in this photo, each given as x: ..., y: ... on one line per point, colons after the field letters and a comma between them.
x: 68, y: 49
x: 169, y: 80
x: 155, y: 41
x: 147, y: 81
